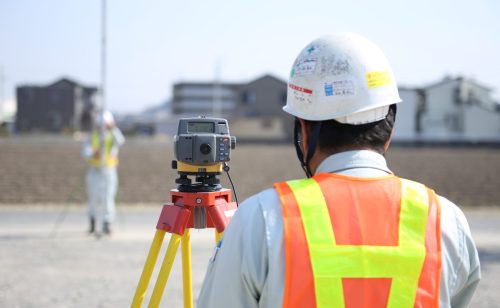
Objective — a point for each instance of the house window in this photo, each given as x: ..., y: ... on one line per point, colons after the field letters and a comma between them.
x: 457, y: 97
x: 453, y: 122
x: 282, y: 99
x: 248, y: 97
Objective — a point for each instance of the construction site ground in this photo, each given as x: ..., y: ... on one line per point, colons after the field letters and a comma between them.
x: 48, y: 260
x: 44, y: 263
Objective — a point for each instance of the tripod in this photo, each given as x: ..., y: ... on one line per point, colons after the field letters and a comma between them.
x: 201, y: 205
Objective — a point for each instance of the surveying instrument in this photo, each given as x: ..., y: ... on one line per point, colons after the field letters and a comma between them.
x: 202, y: 149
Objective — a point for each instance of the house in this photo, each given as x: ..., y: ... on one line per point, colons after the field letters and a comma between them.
x: 480, y: 123
x: 451, y: 110
x: 254, y: 108
x: 204, y: 98
x: 63, y: 105
x: 259, y: 113
x: 151, y: 121
x: 262, y: 97
x: 459, y: 109
x: 406, y: 126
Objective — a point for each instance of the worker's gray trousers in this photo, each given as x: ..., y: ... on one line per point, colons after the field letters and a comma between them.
x: 101, y: 190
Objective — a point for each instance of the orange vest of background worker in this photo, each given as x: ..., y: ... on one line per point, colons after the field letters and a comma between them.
x: 110, y: 159
x: 338, y: 254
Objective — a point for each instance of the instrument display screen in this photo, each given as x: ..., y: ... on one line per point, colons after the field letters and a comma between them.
x: 201, y: 127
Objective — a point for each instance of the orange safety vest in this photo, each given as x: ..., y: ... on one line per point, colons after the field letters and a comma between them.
x: 109, y: 160
x: 360, y: 242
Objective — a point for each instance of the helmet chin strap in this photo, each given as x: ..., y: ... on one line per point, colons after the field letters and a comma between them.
x: 311, y: 147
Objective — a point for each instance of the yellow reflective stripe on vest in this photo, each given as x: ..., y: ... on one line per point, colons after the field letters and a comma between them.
x: 320, y: 240
x: 109, y: 160
x: 331, y: 262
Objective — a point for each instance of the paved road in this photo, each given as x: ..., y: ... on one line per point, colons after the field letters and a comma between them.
x: 44, y: 263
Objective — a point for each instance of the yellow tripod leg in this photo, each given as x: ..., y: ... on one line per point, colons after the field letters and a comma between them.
x: 218, y: 237
x: 186, y: 270
x: 148, y: 269
x: 166, y: 266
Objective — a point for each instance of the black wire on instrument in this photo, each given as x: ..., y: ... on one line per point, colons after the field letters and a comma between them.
x: 226, y: 168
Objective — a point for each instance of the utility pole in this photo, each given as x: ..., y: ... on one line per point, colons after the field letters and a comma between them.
x: 102, y: 137
x: 2, y: 80
x: 103, y: 56
x: 102, y: 106
x: 217, y: 93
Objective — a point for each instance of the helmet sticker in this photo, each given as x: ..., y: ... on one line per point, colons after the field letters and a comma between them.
x: 378, y: 79
x: 339, y: 88
x: 311, y: 49
x: 305, y: 67
x: 300, y: 89
x: 341, y: 66
x: 326, y: 65
x: 335, y: 66
x: 300, y: 94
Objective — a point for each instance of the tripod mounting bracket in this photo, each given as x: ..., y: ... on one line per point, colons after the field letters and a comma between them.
x: 198, y: 210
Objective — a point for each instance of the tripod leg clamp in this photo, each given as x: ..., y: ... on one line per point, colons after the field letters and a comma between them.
x: 173, y: 219
x: 221, y: 214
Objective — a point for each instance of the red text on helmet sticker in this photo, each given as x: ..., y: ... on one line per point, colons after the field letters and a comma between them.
x: 300, y: 89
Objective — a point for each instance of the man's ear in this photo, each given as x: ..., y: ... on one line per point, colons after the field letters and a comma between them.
x: 388, y: 142
x: 304, y: 136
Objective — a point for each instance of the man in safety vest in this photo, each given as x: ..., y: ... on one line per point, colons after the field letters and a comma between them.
x: 101, y: 152
x: 352, y: 234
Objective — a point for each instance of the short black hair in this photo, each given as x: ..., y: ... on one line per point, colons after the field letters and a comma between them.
x: 335, y: 136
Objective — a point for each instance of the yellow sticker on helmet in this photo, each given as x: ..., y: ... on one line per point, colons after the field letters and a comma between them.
x: 378, y: 79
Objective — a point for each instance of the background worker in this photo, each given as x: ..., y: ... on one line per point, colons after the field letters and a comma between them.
x: 353, y: 235
x: 101, y: 178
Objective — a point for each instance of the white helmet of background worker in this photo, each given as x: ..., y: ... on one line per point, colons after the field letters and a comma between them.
x: 105, y: 118
x: 344, y: 77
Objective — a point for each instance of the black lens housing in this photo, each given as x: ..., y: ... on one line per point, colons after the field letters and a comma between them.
x: 205, y: 148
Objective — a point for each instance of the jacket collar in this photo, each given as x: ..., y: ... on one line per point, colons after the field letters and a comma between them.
x: 362, y: 163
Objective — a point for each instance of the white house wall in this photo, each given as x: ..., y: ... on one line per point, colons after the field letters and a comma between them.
x: 476, y: 93
x: 206, y: 104
x: 204, y: 91
x: 481, y: 124
x: 440, y: 109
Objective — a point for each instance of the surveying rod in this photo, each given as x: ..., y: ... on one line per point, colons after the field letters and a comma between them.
x: 102, y: 130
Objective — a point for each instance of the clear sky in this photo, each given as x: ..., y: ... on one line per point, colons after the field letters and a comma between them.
x: 154, y: 43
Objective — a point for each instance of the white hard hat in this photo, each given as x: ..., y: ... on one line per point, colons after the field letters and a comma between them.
x: 106, y: 117
x: 344, y: 77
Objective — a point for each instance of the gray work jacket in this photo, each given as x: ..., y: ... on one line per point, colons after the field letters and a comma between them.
x: 248, y: 268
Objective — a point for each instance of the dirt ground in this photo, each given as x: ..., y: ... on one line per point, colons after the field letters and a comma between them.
x: 46, y: 261
x: 52, y: 171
